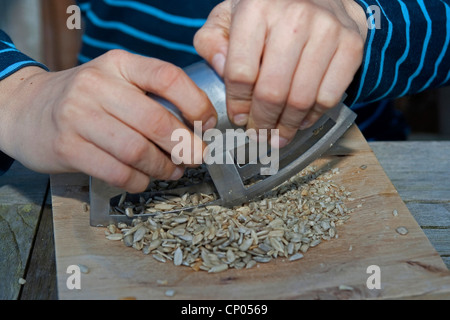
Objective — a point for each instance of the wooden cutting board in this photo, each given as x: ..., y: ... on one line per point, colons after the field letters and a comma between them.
x: 409, y: 267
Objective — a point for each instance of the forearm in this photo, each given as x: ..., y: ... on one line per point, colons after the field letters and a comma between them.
x: 407, y: 53
x: 11, y: 61
x: 14, y: 92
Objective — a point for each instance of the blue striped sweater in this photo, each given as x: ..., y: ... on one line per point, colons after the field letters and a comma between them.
x: 407, y: 54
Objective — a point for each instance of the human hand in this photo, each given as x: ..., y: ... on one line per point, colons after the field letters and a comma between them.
x: 284, y: 62
x: 97, y: 119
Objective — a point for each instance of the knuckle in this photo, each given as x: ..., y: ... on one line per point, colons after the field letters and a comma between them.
x: 86, y: 78
x: 202, y: 36
x: 168, y: 75
x: 66, y: 112
x: 299, y: 11
x: 203, y: 106
x: 161, y: 167
x: 325, y: 102
x: 135, y: 151
x: 115, y: 55
x: 240, y: 73
x: 291, y: 123
x: 160, y: 124
x: 301, y: 103
x: 122, y: 177
x: 273, y: 96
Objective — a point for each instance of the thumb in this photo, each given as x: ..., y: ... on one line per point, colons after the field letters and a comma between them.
x: 211, y: 41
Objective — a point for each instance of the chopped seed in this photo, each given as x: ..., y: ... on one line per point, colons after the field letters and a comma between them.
x: 296, y: 256
x: 114, y: 237
x: 170, y: 293
x: 343, y: 287
x: 178, y: 257
x: 218, y: 268
x: 402, y: 230
x: 84, y: 269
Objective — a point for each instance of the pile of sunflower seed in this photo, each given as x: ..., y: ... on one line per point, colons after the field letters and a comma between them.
x: 292, y: 219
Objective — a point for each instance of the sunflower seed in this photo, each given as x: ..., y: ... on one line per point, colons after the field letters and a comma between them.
x: 178, y: 257
x: 402, y: 230
x: 218, y: 268
x: 115, y: 237
x: 295, y: 257
x: 170, y: 293
x: 139, y: 234
x: 293, y: 218
x: 83, y: 269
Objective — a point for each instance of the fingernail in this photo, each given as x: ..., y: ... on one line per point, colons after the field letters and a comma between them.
x: 211, y: 123
x: 177, y: 174
x: 218, y: 62
x: 278, y: 142
x: 305, y: 125
x: 240, y: 119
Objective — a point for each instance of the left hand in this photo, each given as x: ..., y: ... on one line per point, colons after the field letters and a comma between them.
x: 284, y: 62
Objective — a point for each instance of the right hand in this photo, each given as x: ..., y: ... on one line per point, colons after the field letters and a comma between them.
x: 97, y: 119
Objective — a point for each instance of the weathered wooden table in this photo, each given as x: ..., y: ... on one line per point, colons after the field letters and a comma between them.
x: 419, y: 171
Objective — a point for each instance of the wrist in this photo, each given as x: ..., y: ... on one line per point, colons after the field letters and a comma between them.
x: 10, y: 84
x: 12, y: 94
x: 358, y: 15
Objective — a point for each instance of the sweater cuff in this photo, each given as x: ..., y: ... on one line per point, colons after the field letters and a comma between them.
x: 11, y: 59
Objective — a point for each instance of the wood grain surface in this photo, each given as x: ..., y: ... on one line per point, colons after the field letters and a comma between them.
x: 22, y: 194
x: 420, y: 171
x: 410, y: 266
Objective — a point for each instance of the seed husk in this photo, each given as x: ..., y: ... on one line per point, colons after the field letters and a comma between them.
x: 170, y: 293
x: 295, y: 257
x: 218, y: 268
x: 178, y: 257
x: 114, y: 237
x: 402, y: 231
x: 83, y: 269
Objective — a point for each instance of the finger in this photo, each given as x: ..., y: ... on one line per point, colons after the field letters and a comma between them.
x: 88, y: 158
x: 345, y: 63
x: 289, y: 124
x: 276, y: 74
x: 170, y: 83
x: 128, y: 146
x: 211, y: 41
x: 343, y: 67
x: 154, y: 122
x: 314, y: 62
x: 247, y: 38
x: 314, y: 114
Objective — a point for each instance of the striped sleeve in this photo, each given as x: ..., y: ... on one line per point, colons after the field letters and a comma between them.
x: 406, y: 49
x: 159, y: 29
x: 11, y: 59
